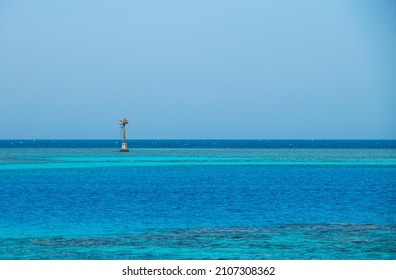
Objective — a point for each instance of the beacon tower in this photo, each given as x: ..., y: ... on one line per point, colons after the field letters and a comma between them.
x: 124, y: 145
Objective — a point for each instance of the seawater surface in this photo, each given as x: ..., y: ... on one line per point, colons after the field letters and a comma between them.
x: 198, y: 199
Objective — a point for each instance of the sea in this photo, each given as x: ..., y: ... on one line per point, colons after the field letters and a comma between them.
x: 198, y: 200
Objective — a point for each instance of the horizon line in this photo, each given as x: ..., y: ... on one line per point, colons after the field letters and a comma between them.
x: 199, y: 139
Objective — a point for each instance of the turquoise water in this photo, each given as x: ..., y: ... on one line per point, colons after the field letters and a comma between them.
x: 183, y: 200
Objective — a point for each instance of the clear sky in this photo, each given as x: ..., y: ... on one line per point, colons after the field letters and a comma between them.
x: 198, y: 69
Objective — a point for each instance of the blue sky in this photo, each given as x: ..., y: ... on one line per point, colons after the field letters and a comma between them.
x: 198, y: 69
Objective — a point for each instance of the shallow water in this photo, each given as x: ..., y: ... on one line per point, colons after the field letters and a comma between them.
x: 198, y: 203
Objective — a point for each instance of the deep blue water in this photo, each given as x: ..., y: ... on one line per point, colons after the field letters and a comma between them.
x: 204, y: 144
x: 197, y: 199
